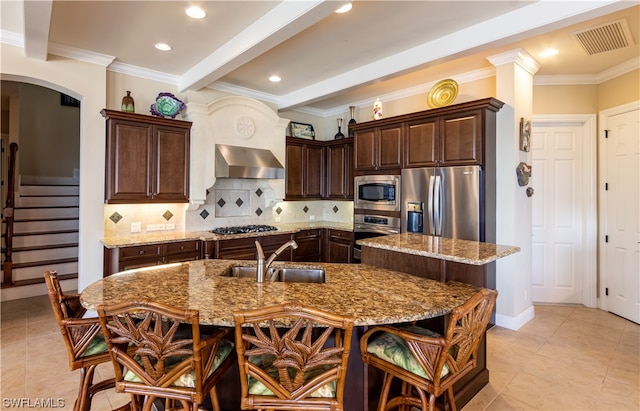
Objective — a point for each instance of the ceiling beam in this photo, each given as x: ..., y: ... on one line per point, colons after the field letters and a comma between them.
x: 37, y: 19
x: 281, y: 23
x: 536, y: 17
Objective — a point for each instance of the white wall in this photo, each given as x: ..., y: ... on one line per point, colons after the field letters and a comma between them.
x: 87, y: 83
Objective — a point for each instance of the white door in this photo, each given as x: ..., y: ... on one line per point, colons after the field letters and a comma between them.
x: 563, y: 216
x: 621, y: 214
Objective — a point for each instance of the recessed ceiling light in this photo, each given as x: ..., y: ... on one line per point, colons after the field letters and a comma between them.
x: 163, y: 46
x: 549, y: 53
x: 195, y: 12
x: 344, y: 8
x: 275, y: 79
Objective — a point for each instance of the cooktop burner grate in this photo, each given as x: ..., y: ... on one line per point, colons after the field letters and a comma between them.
x: 256, y: 228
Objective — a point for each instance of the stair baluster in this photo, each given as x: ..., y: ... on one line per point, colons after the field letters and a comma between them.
x: 7, y: 213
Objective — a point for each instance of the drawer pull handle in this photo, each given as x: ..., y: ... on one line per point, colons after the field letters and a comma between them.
x: 141, y: 252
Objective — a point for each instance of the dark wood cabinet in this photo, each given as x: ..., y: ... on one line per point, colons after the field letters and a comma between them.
x: 235, y: 249
x: 128, y: 258
x: 378, y: 148
x: 147, y: 158
x: 339, y: 181
x: 304, y: 169
x: 339, y: 247
x: 309, y: 245
x: 462, y: 134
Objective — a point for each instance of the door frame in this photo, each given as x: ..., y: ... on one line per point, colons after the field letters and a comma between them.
x: 603, y: 117
x: 590, y: 217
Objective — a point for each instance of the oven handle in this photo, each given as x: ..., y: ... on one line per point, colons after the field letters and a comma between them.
x: 368, y: 229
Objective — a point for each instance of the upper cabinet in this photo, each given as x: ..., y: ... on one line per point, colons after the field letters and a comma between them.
x: 378, y: 148
x: 447, y: 136
x: 319, y: 169
x: 147, y: 159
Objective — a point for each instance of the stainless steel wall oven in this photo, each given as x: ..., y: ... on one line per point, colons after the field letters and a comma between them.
x: 368, y: 226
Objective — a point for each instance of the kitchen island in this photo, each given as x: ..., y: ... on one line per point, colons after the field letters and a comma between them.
x: 369, y: 294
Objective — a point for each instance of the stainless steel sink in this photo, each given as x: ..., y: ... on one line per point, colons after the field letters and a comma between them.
x: 286, y: 274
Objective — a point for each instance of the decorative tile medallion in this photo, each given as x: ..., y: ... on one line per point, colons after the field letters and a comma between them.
x: 258, y: 192
x: 221, y: 202
x: 204, y: 214
x: 115, y: 217
x: 239, y: 202
x: 167, y: 215
x: 258, y: 212
x: 278, y: 210
x: 239, y: 197
x: 335, y: 209
x: 305, y: 209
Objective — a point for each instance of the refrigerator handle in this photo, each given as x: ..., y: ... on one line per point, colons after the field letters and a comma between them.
x: 430, y: 214
x: 437, y: 206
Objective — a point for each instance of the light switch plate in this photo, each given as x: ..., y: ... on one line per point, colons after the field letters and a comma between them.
x: 136, y: 227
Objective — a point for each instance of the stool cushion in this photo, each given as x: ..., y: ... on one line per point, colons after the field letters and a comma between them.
x: 188, y: 379
x: 266, y: 363
x: 97, y: 346
x: 395, y: 350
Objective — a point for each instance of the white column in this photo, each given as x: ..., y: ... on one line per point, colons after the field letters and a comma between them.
x: 514, y: 86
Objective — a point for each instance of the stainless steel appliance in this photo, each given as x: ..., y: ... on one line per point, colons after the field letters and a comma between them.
x: 451, y: 198
x: 368, y: 226
x: 377, y: 192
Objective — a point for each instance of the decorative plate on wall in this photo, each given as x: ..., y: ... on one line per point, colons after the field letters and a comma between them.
x: 442, y: 93
x: 167, y: 105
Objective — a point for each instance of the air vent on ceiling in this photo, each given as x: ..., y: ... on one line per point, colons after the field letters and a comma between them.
x: 606, y: 37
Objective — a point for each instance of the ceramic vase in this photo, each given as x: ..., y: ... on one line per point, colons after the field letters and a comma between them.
x: 339, y: 133
x: 352, y: 109
x: 128, y: 105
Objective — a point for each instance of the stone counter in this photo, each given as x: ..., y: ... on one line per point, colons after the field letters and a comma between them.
x: 172, y: 236
x: 449, y: 249
x: 370, y: 294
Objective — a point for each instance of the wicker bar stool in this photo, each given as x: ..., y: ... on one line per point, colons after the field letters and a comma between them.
x: 84, y: 341
x: 154, y: 358
x: 427, y: 363
x: 299, y: 366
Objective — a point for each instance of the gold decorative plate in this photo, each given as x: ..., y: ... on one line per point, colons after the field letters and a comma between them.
x: 442, y: 93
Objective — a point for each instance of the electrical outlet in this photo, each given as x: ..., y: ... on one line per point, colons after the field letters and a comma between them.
x: 155, y: 227
x: 136, y: 227
x: 171, y: 226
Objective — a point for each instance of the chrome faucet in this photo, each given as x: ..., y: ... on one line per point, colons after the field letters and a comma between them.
x: 263, y: 266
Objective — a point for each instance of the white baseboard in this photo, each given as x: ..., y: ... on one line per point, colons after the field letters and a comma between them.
x: 514, y: 323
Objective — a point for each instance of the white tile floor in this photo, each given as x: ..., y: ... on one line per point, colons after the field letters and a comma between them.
x: 566, y: 358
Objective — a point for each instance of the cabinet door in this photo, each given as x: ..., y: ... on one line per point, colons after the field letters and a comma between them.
x: 139, y: 256
x: 293, y: 171
x: 339, y: 171
x: 171, y: 165
x: 270, y: 243
x: 182, y: 251
x: 390, y: 148
x: 129, y: 161
x: 309, y: 246
x: 365, y: 150
x: 461, y: 139
x: 236, y: 249
x: 340, y: 247
x: 421, y: 144
x: 313, y: 172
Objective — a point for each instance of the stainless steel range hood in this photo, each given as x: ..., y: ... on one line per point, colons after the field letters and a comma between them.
x: 245, y: 162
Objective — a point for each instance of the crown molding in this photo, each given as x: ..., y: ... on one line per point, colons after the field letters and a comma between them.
x: 145, y: 73
x: 80, y: 54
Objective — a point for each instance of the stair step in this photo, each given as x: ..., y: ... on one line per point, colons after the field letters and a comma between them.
x: 48, y: 180
x: 31, y: 281
x: 44, y: 247
x: 48, y: 190
x: 49, y: 201
x: 32, y: 270
x: 24, y: 213
x: 45, y: 238
x: 40, y: 226
x: 28, y: 256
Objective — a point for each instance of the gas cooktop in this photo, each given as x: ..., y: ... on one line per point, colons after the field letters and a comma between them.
x: 257, y: 228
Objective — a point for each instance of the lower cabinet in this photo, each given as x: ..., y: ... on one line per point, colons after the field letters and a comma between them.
x: 245, y: 248
x: 309, y: 245
x: 339, y: 247
x: 128, y: 258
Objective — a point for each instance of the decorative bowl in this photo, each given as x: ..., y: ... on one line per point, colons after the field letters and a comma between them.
x: 167, y: 105
x: 442, y: 93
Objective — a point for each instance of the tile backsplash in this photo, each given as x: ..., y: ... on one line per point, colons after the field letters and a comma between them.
x: 230, y: 202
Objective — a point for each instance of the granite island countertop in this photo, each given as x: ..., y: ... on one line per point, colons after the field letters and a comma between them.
x: 172, y: 236
x: 450, y: 249
x: 370, y: 294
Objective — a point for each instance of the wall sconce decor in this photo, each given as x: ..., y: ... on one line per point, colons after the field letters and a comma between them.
x: 523, y: 171
x: 525, y: 134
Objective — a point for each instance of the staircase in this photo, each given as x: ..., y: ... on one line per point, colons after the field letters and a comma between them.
x: 45, y: 235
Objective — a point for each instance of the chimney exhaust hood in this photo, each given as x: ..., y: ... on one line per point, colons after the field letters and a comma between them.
x: 246, y: 162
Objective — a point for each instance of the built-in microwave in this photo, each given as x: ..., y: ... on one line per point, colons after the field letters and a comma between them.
x: 377, y: 192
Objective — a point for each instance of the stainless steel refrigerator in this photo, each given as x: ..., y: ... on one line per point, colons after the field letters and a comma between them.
x: 443, y: 201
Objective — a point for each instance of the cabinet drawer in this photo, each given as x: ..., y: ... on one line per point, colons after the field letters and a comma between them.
x: 340, y: 235
x: 145, y: 251
x: 183, y: 247
x: 306, y: 234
